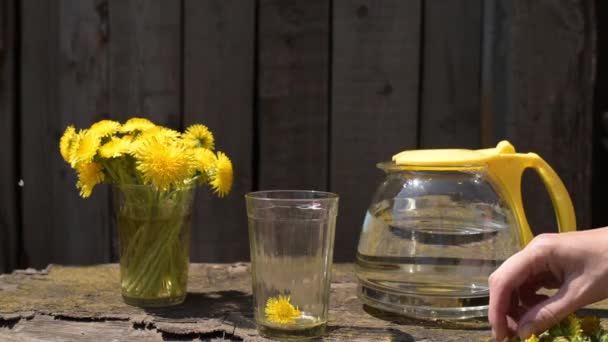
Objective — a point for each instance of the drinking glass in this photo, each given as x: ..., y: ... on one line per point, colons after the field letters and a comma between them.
x: 291, y: 238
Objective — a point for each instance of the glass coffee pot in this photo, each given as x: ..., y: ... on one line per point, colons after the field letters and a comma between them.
x: 441, y: 222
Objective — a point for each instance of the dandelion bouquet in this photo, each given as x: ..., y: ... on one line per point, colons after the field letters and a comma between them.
x: 154, y: 171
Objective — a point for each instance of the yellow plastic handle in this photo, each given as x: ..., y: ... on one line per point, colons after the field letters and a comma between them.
x: 508, y: 167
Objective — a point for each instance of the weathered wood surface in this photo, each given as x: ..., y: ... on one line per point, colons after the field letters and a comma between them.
x: 450, y: 83
x: 63, y: 75
x: 376, y: 50
x: 9, y: 196
x: 146, y: 60
x: 219, y: 92
x: 292, y: 94
x: 84, y: 303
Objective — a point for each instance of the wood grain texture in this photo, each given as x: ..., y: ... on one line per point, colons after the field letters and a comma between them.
x: 219, y: 89
x: 450, y: 108
x: 219, y: 304
x: 374, y: 102
x: 292, y: 95
x: 63, y: 81
x: 551, y: 67
x: 494, y: 73
x: 47, y: 328
x: 145, y: 60
x: 9, y: 144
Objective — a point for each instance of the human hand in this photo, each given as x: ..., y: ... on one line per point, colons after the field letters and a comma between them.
x: 574, y: 263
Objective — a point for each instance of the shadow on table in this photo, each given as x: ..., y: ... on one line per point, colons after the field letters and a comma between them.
x: 404, y: 320
x: 361, y: 333
x: 600, y: 313
x: 219, y: 304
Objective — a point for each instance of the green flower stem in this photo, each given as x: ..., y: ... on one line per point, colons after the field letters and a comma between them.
x: 154, y: 235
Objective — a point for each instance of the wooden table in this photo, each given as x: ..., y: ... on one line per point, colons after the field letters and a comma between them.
x: 84, y: 303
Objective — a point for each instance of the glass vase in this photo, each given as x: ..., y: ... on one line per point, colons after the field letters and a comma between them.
x: 154, y: 240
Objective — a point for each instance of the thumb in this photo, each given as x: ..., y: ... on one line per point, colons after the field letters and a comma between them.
x: 547, y: 313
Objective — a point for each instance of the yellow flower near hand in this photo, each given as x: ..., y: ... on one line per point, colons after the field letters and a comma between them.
x: 164, y: 163
x: 136, y: 124
x: 574, y: 326
x: 222, y: 177
x: 532, y: 338
x: 105, y: 128
x: 84, y: 148
x: 280, y: 310
x: 115, y: 148
x: 66, y: 142
x: 590, y: 325
x: 89, y: 175
x: 199, y: 136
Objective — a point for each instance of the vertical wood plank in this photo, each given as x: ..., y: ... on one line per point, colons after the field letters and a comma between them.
x: 550, y: 56
x: 600, y: 121
x: 293, y: 67
x: 146, y: 60
x: 450, y: 108
x: 374, y: 102
x: 145, y: 65
x: 218, y: 85
x: 63, y: 81
x: 494, y: 73
x: 9, y: 148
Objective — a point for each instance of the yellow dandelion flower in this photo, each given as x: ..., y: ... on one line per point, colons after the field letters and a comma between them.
x: 532, y: 338
x: 159, y: 132
x: 115, y: 148
x: 590, y: 325
x: 89, y: 175
x: 199, y: 136
x: 84, y: 148
x: 280, y: 310
x: 205, y: 159
x: 574, y: 326
x: 104, y: 128
x: 164, y: 163
x: 222, y: 176
x: 136, y: 124
x: 66, y: 142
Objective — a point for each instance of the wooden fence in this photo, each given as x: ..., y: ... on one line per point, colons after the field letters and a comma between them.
x: 306, y: 94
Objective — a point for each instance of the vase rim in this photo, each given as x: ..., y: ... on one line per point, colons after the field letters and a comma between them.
x: 133, y: 185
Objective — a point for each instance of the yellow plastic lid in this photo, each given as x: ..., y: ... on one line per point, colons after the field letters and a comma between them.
x: 451, y: 157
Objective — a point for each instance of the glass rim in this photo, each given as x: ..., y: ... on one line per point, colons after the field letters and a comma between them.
x: 324, y: 195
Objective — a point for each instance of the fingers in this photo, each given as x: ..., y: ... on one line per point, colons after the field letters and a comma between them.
x: 507, y: 278
x: 530, y: 300
x: 510, y: 276
x: 548, y: 312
